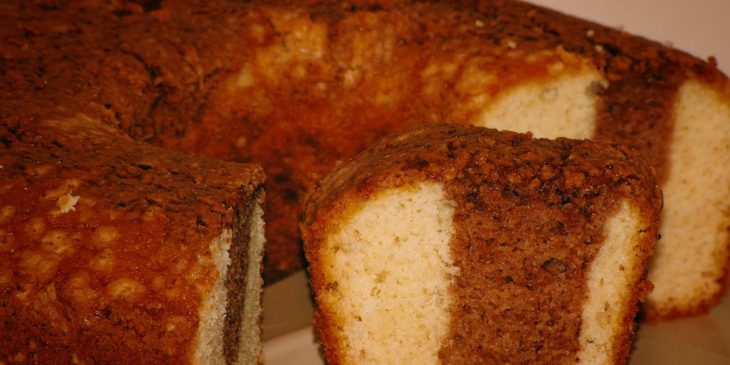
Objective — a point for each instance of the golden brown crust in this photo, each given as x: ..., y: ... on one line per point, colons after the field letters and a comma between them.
x: 299, y: 86
x: 509, y: 188
x: 107, y: 249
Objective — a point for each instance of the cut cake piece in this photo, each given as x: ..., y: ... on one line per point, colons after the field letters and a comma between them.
x: 114, y: 251
x: 462, y: 245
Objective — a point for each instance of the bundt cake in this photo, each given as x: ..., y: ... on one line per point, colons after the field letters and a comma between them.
x: 117, y: 252
x: 299, y: 86
x: 466, y: 245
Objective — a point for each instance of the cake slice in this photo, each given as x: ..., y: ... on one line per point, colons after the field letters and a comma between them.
x: 114, y: 251
x: 466, y: 245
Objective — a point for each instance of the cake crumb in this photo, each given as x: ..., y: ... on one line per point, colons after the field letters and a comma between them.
x: 105, y: 235
x: 6, y: 213
x: 125, y: 288
x: 67, y: 202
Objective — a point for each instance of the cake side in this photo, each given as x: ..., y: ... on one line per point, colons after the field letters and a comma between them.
x: 209, y: 344
x: 110, y: 245
x: 249, y: 346
x: 230, y: 315
x: 690, y: 269
x: 523, y: 247
x: 608, y: 313
x: 391, y: 262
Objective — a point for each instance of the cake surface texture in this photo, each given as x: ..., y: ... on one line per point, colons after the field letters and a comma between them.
x: 298, y: 86
x: 114, y: 251
x: 466, y: 245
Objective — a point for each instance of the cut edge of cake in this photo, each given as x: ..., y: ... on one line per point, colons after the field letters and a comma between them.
x: 564, y: 105
x: 690, y: 270
x: 213, y: 345
x: 607, y: 319
x: 250, y: 346
x: 392, y: 262
x: 369, y: 328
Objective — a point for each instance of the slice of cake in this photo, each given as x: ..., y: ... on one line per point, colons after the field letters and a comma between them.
x: 465, y: 245
x: 114, y: 251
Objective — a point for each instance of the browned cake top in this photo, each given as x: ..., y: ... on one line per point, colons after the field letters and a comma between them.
x: 104, y: 242
x: 564, y: 172
x: 299, y: 86
x: 530, y: 216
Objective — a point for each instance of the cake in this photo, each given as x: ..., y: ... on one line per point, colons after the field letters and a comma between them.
x: 298, y: 86
x: 115, y: 251
x: 466, y: 245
